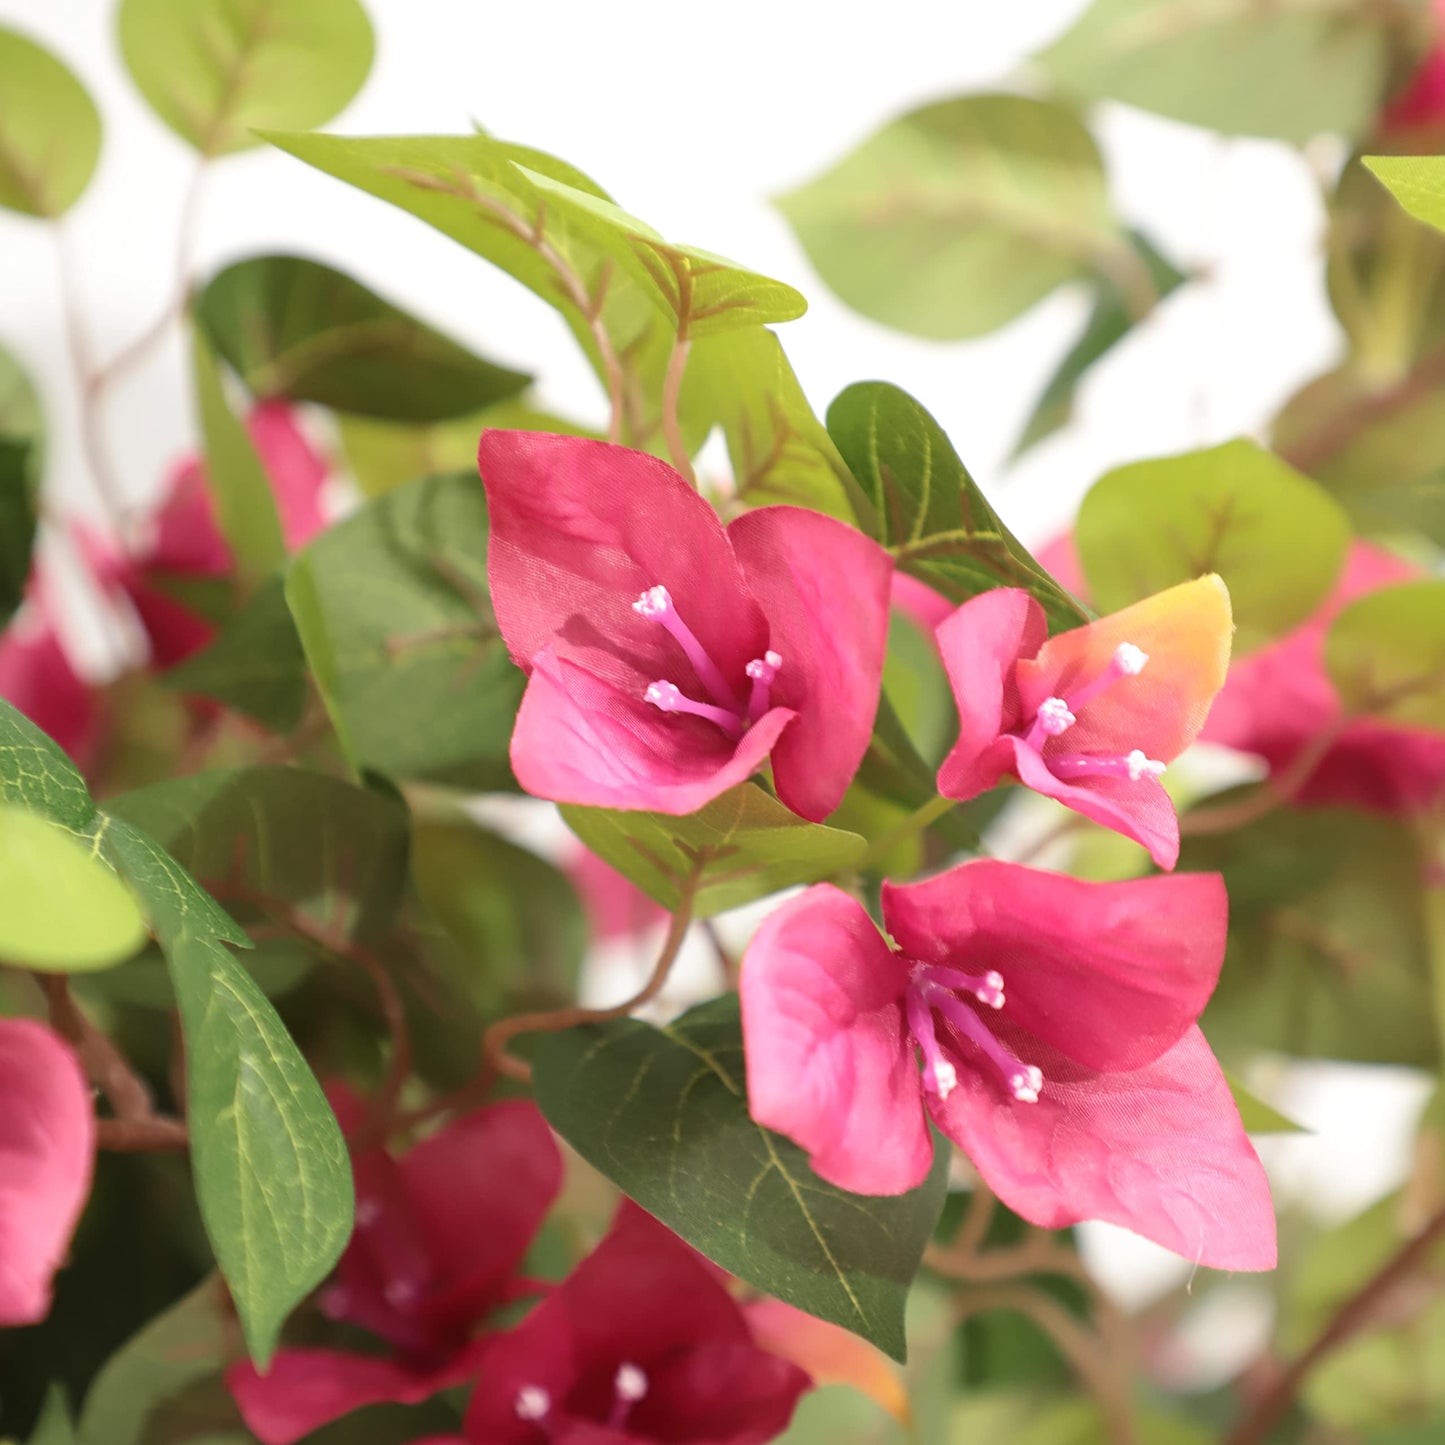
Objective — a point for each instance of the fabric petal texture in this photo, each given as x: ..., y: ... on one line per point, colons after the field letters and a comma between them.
x: 829, y: 1062
x: 47, y: 1152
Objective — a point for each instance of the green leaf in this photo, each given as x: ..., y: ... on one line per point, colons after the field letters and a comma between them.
x: 22, y: 419
x: 272, y: 1176
x: 254, y: 665
x: 1326, y: 955
x: 188, y: 1343
x: 49, y: 130
x: 742, y: 382
x: 245, y: 503
x: 1385, y: 654
x: 741, y: 846
x: 1114, y: 315
x: 22, y: 429
x: 215, y: 70
x: 1417, y: 182
x: 297, y: 329
x: 926, y: 508
x: 662, y: 1112
x: 1257, y: 1116
x: 1289, y: 70
x: 62, y: 910
x: 393, y: 612
x: 626, y: 294
x: 275, y: 838
x: 1276, y: 539
x: 54, y: 1427
x: 958, y: 217
x: 516, y: 921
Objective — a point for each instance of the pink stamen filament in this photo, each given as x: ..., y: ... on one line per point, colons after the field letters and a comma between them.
x: 629, y: 1386
x: 1053, y: 719
x: 987, y: 989
x: 1127, y: 661
x: 666, y: 697
x: 656, y: 605
x: 939, y: 1076
x: 1104, y: 765
x: 762, y: 670
x: 1022, y: 1080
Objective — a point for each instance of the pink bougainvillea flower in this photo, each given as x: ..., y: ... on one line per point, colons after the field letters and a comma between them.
x: 1089, y: 717
x: 1279, y: 700
x: 439, y: 1235
x: 1421, y: 102
x: 668, y: 658
x: 616, y: 907
x: 184, y: 538
x: 641, y: 1343
x: 36, y: 676
x: 47, y: 1151
x: 1055, y: 1020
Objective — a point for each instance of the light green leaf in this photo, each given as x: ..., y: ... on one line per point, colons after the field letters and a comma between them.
x: 62, y: 910
x: 245, y: 504
x: 393, y: 612
x: 54, y: 1427
x: 1385, y: 654
x: 186, y: 1344
x: 926, y: 509
x: 1288, y: 70
x: 1115, y: 314
x: 741, y: 846
x: 215, y: 70
x: 22, y: 418
x: 49, y: 130
x: 297, y: 329
x: 1257, y: 1116
x: 956, y: 218
x: 272, y: 1176
x: 662, y: 1112
x: 254, y: 665
x: 1417, y: 182
x: 1276, y: 539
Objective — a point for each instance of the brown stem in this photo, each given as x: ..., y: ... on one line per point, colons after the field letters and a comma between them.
x: 136, y: 1126
x: 500, y: 1034
x: 1351, y: 1317
x: 671, y: 391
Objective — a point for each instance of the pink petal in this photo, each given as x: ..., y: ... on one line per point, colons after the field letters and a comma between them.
x: 1110, y: 974
x: 829, y: 1061
x: 1160, y: 1151
x: 981, y: 644
x: 1381, y: 769
x: 724, y: 1394
x: 474, y: 1227
x: 578, y: 739
x: 306, y: 1389
x: 175, y: 632
x: 616, y: 907
x: 918, y: 602
x: 1059, y: 557
x: 824, y: 588
x: 185, y: 535
x: 296, y: 471
x: 579, y: 529
x: 1141, y: 810
x: 47, y: 1150
x: 36, y: 677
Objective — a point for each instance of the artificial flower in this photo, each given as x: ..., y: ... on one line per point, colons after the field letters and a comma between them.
x: 668, y: 657
x: 1055, y: 1023
x: 1089, y: 717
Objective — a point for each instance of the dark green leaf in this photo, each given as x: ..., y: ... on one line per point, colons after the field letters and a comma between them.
x: 298, y: 329
x: 1290, y: 70
x: 17, y: 524
x: 393, y: 611
x: 663, y: 1113
x: 741, y: 846
x: 49, y: 130
x: 927, y: 509
x: 254, y: 665
x: 1115, y: 314
x: 1276, y: 539
x: 245, y: 503
x: 1385, y: 654
x: 215, y: 70
x: 956, y: 218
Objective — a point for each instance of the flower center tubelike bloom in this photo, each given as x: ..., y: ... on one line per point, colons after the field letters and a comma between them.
x: 1056, y: 715
x: 629, y: 1385
x: 934, y: 988
x: 727, y: 710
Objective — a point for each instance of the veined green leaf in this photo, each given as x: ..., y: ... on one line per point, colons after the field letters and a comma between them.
x: 1385, y: 654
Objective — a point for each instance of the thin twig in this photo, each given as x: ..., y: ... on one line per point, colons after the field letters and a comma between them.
x: 1351, y: 1317
x: 494, y: 1042
x: 671, y: 391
